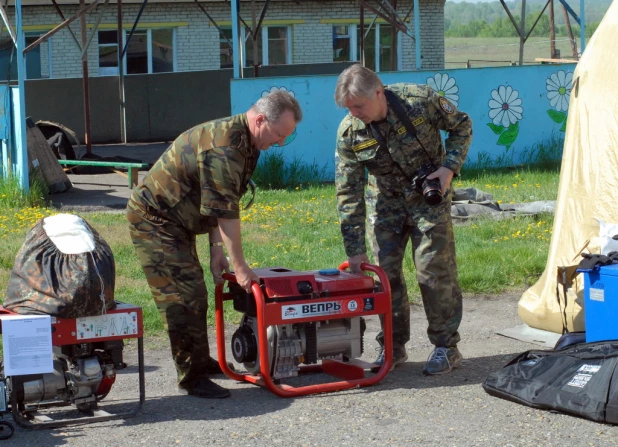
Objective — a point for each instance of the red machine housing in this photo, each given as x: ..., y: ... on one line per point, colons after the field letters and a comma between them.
x: 74, y: 331
x: 277, y: 300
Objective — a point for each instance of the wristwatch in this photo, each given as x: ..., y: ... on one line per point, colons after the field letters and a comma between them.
x: 216, y: 244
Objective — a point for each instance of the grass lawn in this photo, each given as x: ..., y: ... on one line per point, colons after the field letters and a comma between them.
x: 481, y: 51
x: 299, y: 229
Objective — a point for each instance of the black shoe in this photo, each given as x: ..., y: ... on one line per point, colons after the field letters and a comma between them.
x: 399, y: 357
x: 214, y: 368
x: 442, y: 361
x: 206, y: 388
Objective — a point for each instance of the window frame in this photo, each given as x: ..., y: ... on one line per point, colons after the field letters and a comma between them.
x: 148, y: 49
x: 245, y: 36
x: 353, y: 31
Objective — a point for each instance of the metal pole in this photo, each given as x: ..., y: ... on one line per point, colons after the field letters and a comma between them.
x: 139, y: 15
x: 121, y: 94
x: 394, y: 32
x: 254, y: 36
x: 582, y: 25
x: 570, y: 32
x: 236, y: 51
x: 362, y: 36
x: 552, y: 31
x: 21, y: 136
x: 417, y: 34
x: 59, y: 11
x: 522, y: 33
x: 64, y: 24
x: 85, y: 82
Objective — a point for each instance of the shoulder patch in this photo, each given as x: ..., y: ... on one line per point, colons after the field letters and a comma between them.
x: 446, y: 106
x: 365, y: 145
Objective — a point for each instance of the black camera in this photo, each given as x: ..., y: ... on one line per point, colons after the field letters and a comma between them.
x: 431, y: 189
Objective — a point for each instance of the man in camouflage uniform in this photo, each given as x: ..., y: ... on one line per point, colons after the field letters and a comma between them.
x: 372, y: 137
x: 195, y: 188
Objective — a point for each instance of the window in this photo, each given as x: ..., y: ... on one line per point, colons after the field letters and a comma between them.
x: 249, y: 49
x: 347, y: 40
x: 8, y: 60
x: 274, y: 47
x: 277, y: 45
x: 136, y: 61
x: 342, y: 44
x: 108, y: 53
x: 225, y: 48
x: 149, y: 51
x: 162, y: 50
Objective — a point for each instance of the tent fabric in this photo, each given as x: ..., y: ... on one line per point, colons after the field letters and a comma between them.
x: 588, y: 179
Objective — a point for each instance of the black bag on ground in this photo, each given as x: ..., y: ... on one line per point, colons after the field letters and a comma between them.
x: 581, y: 379
x: 68, y: 283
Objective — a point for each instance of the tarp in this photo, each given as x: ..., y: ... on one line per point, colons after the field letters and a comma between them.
x: 588, y: 188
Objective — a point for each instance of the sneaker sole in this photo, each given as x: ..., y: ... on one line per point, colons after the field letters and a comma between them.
x: 398, y: 362
x: 457, y: 364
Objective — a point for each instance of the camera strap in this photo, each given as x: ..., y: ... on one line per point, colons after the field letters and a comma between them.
x: 384, y: 146
x: 395, y: 103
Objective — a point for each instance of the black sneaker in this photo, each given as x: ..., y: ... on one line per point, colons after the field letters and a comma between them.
x: 204, y: 387
x: 442, y: 361
x: 399, y: 357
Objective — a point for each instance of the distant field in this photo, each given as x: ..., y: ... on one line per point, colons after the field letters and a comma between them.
x: 487, y: 51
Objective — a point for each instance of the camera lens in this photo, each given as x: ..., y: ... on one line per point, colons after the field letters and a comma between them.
x: 432, y: 192
x: 433, y: 197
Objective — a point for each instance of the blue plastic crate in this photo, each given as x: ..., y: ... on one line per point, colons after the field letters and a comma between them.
x: 601, y: 303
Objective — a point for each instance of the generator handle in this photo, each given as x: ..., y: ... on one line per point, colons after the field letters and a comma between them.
x: 365, y: 267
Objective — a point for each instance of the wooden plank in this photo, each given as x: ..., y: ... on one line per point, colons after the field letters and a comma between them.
x: 555, y: 61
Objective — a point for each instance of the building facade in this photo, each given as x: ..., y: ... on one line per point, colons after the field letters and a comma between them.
x: 179, y: 37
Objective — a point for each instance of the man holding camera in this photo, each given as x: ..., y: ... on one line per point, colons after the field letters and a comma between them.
x: 394, y: 133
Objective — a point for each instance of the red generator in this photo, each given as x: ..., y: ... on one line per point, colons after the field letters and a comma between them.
x: 87, y: 353
x: 299, y: 322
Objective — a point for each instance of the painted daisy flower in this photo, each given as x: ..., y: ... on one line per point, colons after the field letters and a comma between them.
x: 559, y: 90
x: 505, y: 106
x: 274, y: 89
x: 445, y: 86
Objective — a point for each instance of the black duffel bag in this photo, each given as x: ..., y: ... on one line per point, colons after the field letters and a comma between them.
x: 581, y: 379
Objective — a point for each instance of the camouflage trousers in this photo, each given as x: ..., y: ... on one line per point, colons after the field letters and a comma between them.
x: 169, y: 259
x: 436, y: 272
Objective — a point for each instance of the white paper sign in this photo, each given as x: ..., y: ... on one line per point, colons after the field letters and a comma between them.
x: 27, y: 343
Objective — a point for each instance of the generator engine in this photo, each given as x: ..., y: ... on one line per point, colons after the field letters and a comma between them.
x: 302, y: 341
x: 293, y: 344
x: 87, y: 353
x: 83, y: 374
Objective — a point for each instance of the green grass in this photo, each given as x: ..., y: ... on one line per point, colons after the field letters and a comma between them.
x: 273, y: 172
x: 298, y: 228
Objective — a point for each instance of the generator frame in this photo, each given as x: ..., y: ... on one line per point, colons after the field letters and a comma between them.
x: 65, y: 332
x: 269, y: 313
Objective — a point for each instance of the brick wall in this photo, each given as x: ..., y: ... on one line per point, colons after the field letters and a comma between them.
x: 197, y: 44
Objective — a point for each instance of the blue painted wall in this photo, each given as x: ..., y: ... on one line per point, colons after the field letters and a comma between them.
x: 512, y: 108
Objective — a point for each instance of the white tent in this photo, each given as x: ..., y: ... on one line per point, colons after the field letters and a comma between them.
x: 588, y: 180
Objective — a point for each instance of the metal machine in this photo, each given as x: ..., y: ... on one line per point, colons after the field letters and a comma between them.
x: 87, y: 353
x: 298, y: 322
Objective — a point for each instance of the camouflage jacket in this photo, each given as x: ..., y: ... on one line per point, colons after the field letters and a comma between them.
x: 391, y: 199
x: 200, y: 177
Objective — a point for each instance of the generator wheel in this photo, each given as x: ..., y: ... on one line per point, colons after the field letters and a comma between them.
x: 6, y: 430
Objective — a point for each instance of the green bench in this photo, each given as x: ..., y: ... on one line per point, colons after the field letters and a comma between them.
x: 131, y: 174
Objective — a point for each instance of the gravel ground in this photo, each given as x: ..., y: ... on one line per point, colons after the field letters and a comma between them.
x: 405, y: 408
